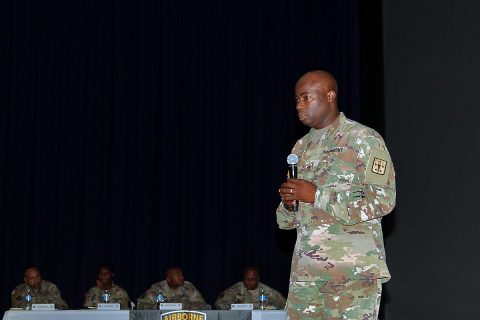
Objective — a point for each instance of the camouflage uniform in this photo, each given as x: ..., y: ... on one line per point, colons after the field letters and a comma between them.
x: 238, y: 293
x: 187, y: 294
x: 117, y: 295
x: 47, y: 293
x: 339, y: 237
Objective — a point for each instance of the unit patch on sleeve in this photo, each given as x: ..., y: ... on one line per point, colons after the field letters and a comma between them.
x: 378, y: 167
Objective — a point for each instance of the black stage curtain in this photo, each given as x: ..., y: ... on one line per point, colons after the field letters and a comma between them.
x: 153, y: 133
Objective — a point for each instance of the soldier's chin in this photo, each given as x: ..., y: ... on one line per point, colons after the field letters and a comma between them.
x: 305, y: 121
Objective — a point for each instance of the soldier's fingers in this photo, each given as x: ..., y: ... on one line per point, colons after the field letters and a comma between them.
x: 287, y: 188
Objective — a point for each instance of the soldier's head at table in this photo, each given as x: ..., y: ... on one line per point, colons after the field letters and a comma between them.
x: 250, y: 278
x: 105, y: 276
x: 174, y: 277
x: 32, y: 277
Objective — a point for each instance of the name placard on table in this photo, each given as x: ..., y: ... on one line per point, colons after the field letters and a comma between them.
x: 170, y: 306
x: 241, y: 306
x: 108, y: 306
x: 43, y: 307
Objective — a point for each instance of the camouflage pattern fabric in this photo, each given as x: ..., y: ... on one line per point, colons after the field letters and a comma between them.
x: 117, y: 295
x: 340, y: 235
x: 238, y: 293
x: 348, y: 299
x: 187, y: 294
x: 47, y: 293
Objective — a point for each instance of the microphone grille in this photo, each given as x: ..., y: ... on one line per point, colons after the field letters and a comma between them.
x: 292, y: 159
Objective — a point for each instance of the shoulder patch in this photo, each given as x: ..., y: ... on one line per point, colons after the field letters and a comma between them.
x: 378, y: 167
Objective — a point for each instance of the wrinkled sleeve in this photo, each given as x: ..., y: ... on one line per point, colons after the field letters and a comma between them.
x: 285, y: 218
x: 90, y: 298
x: 371, y: 194
x: 195, y: 299
x: 196, y: 296
x: 147, y: 300
x: 225, y: 299
x: 17, y: 299
x: 278, y: 300
x: 57, y: 299
x: 124, y: 300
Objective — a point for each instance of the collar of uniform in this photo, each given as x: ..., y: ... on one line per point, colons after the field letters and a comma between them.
x: 33, y: 290
x: 333, y: 127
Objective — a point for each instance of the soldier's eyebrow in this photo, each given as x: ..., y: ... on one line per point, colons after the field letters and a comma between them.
x: 303, y: 93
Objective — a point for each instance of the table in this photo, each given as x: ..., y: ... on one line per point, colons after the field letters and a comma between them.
x: 269, y: 315
x: 217, y: 314
x: 211, y: 314
x: 138, y: 315
x: 66, y: 315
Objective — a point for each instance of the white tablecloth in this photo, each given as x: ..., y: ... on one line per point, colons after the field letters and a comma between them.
x: 66, y: 315
x: 269, y: 315
x: 123, y: 315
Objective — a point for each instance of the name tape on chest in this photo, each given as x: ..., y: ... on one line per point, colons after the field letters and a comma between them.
x: 336, y: 149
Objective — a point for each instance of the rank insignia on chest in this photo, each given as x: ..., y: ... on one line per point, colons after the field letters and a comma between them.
x: 379, y: 166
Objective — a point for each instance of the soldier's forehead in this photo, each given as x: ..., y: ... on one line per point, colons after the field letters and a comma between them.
x: 32, y: 272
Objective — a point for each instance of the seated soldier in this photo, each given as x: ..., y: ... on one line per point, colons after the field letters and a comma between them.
x: 105, y: 285
x: 41, y: 291
x: 174, y: 289
x: 248, y: 291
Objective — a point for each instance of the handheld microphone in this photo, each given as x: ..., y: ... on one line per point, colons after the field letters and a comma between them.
x: 292, y: 161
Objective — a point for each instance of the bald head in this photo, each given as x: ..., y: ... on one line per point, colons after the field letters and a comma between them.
x: 322, y: 79
x: 316, y: 96
x: 32, y: 277
x: 174, y: 277
x: 251, y: 268
x: 171, y: 270
x: 251, y: 277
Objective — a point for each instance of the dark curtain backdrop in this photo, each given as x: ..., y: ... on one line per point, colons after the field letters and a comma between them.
x: 152, y: 133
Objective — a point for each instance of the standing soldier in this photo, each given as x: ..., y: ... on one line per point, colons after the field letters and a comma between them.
x: 345, y: 185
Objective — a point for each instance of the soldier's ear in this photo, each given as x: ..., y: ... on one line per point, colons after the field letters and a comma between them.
x: 331, y: 95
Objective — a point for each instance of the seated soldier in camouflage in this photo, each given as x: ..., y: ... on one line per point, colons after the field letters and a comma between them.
x: 248, y: 292
x: 41, y: 291
x: 105, y: 285
x: 174, y: 289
